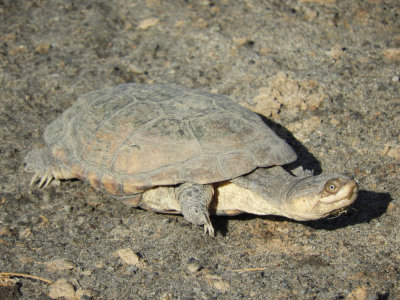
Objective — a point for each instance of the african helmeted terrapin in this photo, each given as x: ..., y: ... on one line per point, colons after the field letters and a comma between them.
x: 176, y: 150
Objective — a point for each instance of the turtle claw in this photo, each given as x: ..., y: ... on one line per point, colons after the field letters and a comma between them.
x: 301, y: 172
x: 210, y: 229
x: 49, y: 180
x: 34, y: 179
x: 45, y: 179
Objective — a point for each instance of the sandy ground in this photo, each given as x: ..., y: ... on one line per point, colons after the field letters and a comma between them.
x: 325, y: 73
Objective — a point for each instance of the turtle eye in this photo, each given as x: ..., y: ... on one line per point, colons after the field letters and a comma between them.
x: 331, y: 186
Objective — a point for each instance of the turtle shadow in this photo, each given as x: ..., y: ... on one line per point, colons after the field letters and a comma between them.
x: 369, y: 205
x: 304, y: 157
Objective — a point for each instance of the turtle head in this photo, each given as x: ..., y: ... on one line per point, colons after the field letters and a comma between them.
x: 314, y: 197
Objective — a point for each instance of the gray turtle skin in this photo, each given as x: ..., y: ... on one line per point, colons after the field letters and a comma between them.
x: 177, y: 150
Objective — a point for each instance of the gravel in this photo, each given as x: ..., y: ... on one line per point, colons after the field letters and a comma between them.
x: 324, y: 72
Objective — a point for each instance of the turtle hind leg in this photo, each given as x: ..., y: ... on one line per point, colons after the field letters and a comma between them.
x: 41, y: 162
x: 194, y: 200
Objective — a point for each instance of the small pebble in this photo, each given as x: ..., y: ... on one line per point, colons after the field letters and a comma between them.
x: 192, y: 268
x: 43, y: 48
x: 147, y: 23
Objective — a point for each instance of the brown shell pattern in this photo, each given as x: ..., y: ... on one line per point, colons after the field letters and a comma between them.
x: 133, y: 137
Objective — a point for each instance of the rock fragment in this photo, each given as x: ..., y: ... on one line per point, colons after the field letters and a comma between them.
x: 285, y: 93
x: 129, y: 257
x: 147, y: 23
x: 58, y: 265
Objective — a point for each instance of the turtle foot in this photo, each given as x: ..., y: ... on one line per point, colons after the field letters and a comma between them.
x: 41, y: 162
x: 194, y: 200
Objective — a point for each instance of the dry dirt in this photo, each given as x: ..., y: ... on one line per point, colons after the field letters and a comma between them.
x: 325, y: 73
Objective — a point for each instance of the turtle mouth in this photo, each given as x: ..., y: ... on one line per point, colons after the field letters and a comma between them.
x: 341, y: 205
x: 336, y: 213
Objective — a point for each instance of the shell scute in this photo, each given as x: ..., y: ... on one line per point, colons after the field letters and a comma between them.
x: 202, y: 168
x: 236, y: 164
x: 111, y: 185
x: 164, y: 175
x: 94, y: 180
x: 131, y: 186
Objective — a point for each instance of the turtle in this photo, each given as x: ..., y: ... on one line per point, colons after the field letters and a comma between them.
x: 171, y: 149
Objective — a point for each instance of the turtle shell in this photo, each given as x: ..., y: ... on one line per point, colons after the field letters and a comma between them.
x: 132, y: 137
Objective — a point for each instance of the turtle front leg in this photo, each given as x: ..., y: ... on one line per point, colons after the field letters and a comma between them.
x: 194, y: 200
x: 45, y: 167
